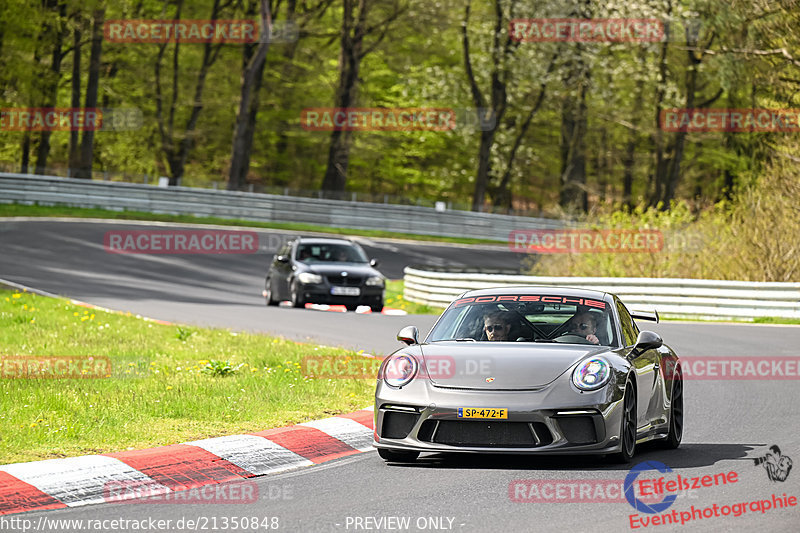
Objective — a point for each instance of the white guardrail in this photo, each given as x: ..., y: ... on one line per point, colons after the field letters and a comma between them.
x: 51, y: 190
x: 676, y: 298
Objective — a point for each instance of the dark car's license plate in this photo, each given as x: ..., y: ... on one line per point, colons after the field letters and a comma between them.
x: 346, y: 291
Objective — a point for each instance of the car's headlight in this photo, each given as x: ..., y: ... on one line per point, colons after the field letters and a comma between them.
x: 308, y: 277
x: 592, y: 374
x: 375, y: 281
x: 399, y: 370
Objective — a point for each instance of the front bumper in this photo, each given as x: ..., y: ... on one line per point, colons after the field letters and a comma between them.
x: 556, y: 419
x: 321, y: 294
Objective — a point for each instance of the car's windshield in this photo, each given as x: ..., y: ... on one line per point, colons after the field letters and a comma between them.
x: 527, y: 318
x: 329, y: 252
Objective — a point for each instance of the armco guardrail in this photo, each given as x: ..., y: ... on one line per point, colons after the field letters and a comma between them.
x: 693, y: 298
x: 49, y: 190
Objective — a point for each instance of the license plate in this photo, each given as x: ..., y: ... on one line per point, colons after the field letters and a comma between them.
x: 346, y: 291
x: 474, y: 412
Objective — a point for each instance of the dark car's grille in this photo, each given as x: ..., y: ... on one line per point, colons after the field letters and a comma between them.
x: 485, y: 434
x: 347, y: 281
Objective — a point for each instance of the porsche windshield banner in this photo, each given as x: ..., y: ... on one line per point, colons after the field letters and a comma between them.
x: 532, y: 298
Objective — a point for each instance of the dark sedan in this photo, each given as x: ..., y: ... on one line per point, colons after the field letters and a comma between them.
x: 324, y: 271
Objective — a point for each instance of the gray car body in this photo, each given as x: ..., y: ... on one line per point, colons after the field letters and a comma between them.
x: 534, y: 382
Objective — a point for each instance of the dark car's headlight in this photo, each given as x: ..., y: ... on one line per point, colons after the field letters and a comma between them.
x: 375, y: 281
x: 592, y: 374
x: 309, y: 278
x: 399, y: 370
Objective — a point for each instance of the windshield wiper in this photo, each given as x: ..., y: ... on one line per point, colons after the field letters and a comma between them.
x: 464, y: 339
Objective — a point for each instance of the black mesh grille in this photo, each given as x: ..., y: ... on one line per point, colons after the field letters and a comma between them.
x: 346, y: 281
x: 479, y: 433
x: 578, y: 429
x: 396, y: 425
x: 545, y: 437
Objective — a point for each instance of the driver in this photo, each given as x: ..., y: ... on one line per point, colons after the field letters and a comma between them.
x: 497, y: 326
x: 584, y: 325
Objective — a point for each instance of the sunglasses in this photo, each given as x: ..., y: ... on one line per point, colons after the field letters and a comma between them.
x: 498, y: 327
x: 583, y: 326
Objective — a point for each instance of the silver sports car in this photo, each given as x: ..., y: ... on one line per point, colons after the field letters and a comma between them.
x: 529, y: 370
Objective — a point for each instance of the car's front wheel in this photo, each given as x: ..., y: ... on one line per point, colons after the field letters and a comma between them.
x: 296, y: 297
x: 627, y: 433
x: 675, y: 434
x: 351, y: 307
x: 393, y: 456
x: 268, y: 294
x: 377, y: 308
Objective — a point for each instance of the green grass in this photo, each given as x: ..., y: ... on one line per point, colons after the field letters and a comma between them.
x: 167, y: 383
x: 394, y: 298
x: 18, y: 210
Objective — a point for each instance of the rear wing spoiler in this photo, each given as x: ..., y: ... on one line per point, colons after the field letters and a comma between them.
x: 646, y: 315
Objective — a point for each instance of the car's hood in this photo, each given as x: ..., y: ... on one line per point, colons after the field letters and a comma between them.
x: 336, y: 269
x: 500, y: 366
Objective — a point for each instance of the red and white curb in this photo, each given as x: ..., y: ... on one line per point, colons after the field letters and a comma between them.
x: 76, y: 481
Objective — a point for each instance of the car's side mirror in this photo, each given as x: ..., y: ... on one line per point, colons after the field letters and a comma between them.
x: 283, y: 258
x: 408, y: 335
x: 373, y: 262
x: 647, y: 340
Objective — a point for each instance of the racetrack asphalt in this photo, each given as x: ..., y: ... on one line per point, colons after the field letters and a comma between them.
x: 728, y: 422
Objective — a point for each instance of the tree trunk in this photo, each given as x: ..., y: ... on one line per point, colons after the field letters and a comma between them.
x: 26, y: 153
x: 51, y: 87
x: 674, y: 170
x: 629, y: 157
x: 573, y: 194
x: 484, y: 169
x: 661, y: 163
x: 248, y: 102
x: 75, y: 102
x: 87, y: 140
x: 501, y: 197
x: 335, y: 178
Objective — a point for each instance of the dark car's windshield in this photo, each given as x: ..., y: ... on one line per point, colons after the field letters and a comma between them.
x: 527, y: 318
x: 330, y: 252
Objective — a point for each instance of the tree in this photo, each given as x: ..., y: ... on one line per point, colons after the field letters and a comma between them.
x: 84, y: 169
x: 252, y: 73
x: 356, y: 28
x: 176, y: 145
